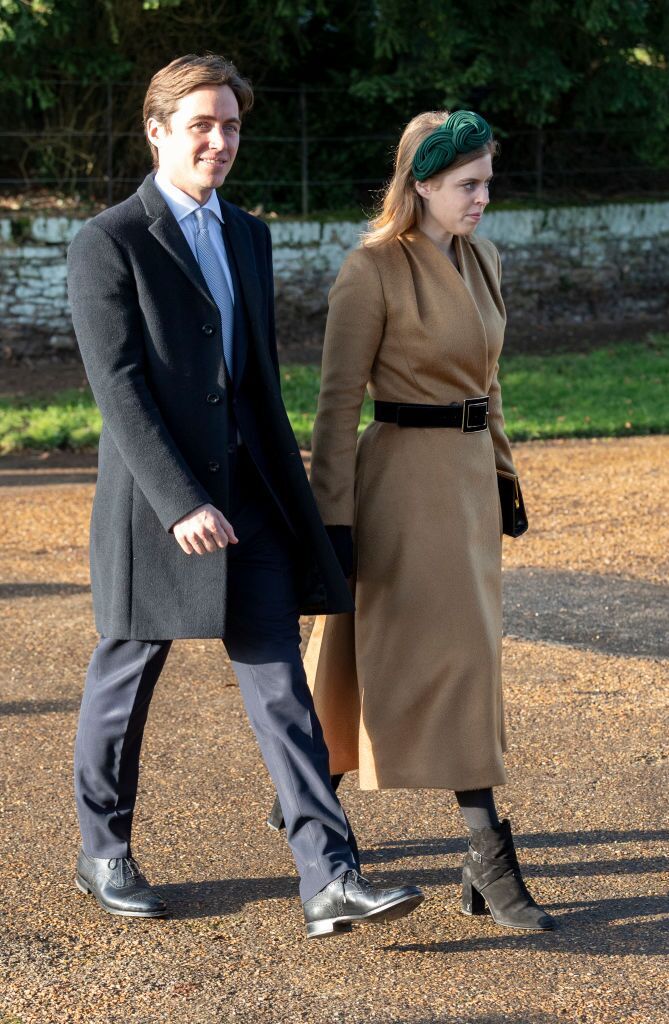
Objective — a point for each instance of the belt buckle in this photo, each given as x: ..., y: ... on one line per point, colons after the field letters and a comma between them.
x: 469, y: 422
x: 403, y: 413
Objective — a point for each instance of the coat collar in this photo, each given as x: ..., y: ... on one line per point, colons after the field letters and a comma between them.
x: 463, y: 280
x: 165, y: 229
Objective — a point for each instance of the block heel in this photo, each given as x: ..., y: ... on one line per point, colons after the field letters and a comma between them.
x: 472, y: 901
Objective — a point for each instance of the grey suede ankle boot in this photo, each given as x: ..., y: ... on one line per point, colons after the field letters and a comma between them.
x: 491, y: 875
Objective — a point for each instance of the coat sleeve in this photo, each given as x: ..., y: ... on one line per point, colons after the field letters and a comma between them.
x: 503, y: 456
x: 108, y: 325
x: 353, y: 333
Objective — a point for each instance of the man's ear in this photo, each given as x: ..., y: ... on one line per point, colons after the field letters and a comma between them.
x: 155, y: 131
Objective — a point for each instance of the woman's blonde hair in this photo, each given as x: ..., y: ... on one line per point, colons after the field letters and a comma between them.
x: 402, y: 207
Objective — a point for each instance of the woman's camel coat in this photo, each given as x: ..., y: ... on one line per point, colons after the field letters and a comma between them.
x: 409, y: 690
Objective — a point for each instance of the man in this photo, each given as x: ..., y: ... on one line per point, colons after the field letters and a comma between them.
x: 203, y: 522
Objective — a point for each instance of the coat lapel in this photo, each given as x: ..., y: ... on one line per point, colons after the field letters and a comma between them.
x: 462, y: 280
x: 166, y: 231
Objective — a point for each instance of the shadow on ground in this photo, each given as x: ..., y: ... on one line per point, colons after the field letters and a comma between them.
x: 11, y: 591
x: 628, y: 926
x: 598, y: 928
x: 31, y: 478
x: 600, y: 613
x: 39, y: 707
x: 573, y: 869
x: 396, y: 849
x: 225, y: 896
x: 495, y: 1018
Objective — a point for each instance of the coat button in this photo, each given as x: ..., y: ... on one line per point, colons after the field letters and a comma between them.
x: 214, y: 466
x: 213, y: 398
x: 208, y: 329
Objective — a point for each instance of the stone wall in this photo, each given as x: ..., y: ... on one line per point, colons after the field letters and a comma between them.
x: 562, y: 266
x: 584, y: 263
x: 34, y: 315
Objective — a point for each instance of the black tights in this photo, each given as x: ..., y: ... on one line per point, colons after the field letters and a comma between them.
x: 476, y: 805
x: 478, y: 808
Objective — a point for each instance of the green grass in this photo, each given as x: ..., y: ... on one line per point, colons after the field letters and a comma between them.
x: 615, y: 391
x: 67, y: 419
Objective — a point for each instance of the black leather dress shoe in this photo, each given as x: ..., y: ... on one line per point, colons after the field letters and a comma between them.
x: 118, y: 885
x: 350, y: 899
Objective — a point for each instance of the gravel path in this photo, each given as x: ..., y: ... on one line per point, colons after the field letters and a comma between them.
x: 586, y: 693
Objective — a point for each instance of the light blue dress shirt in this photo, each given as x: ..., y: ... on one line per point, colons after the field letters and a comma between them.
x: 182, y: 206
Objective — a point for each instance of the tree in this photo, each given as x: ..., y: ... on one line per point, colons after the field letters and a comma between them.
x: 591, y: 75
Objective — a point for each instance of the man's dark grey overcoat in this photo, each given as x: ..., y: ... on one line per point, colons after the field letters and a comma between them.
x: 150, y: 337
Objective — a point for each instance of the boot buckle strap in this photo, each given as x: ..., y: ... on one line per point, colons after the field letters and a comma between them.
x: 475, y: 855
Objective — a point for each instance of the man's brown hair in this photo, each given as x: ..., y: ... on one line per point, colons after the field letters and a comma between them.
x: 185, y: 74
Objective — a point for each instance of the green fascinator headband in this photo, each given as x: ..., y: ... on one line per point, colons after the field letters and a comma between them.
x: 463, y: 131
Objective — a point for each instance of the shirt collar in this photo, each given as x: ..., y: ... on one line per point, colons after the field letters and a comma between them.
x: 181, y: 204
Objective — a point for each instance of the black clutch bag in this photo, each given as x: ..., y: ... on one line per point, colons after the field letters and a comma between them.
x: 514, y: 519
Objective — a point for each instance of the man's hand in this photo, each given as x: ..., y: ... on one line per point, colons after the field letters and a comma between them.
x: 203, y: 530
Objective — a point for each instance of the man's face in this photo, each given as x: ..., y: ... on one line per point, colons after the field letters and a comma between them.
x: 197, y: 148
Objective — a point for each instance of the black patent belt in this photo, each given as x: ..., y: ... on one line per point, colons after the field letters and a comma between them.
x: 468, y: 416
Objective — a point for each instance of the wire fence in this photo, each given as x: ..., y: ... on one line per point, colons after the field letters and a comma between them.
x: 296, y: 159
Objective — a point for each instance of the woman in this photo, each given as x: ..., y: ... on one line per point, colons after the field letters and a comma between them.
x: 409, y: 689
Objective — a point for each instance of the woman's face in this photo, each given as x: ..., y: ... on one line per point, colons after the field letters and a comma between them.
x: 454, y: 200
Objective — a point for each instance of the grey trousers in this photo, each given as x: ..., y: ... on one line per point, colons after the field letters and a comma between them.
x: 262, y: 639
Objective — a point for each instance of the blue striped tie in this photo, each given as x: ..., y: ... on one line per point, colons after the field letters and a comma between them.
x: 212, y: 270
